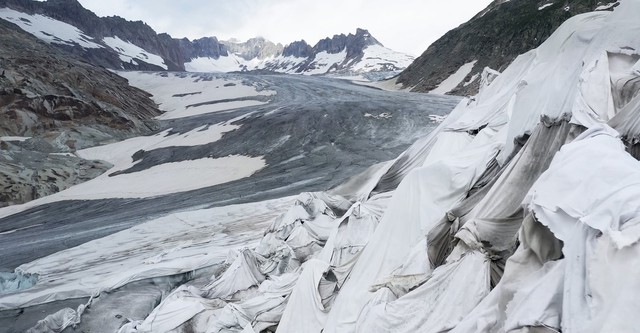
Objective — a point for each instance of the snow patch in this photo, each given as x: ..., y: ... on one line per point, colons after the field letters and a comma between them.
x: 119, y: 153
x: 129, y: 52
x: 324, y: 61
x: 14, y: 138
x: 455, y: 79
x: 545, y: 6
x: 607, y: 6
x: 472, y: 79
x: 167, y: 178
x: 282, y: 64
x: 378, y: 58
x: 178, y: 94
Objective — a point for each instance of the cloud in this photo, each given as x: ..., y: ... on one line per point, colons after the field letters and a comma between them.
x: 403, y: 25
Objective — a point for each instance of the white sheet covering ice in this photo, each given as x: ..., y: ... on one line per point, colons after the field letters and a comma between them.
x: 418, y: 203
x: 177, y: 243
x: 589, y: 199
x: 60, y: 320
x: 437, y: 305
x: 306, y: 297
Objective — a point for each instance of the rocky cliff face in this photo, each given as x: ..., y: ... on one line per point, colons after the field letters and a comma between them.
x: 204, y: 47
x: 254, y: 48
x: 353, y: 44
x: 56, y: 104
x: 298, y: 49
x: 493, y: 38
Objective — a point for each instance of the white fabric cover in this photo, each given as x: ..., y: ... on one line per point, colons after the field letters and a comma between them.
x: 418, y: 203
x: 305, y: 311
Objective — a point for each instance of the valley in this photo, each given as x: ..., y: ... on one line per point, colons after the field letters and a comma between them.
x: 154, y: 184
x: 311, y: 133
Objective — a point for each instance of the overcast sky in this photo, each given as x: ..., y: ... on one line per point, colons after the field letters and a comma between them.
x: 403, y: 25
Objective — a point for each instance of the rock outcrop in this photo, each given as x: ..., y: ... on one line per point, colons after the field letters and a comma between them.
x: 61, y: 104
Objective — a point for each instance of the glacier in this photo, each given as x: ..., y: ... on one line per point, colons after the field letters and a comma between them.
x: 509, y: 217
x: 518, y: 213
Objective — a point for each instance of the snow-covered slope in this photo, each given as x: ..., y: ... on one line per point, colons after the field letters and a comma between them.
x: 61, y: 33
x: 519, y: 212
x: 130, y: 52
x: 48, y: 29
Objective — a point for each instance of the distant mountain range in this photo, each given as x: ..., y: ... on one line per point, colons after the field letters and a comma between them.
x: 116, y: 43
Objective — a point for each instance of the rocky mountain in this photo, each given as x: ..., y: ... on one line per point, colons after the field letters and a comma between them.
x: 116, y: 43
x: 340, y: 54
x: 52, y: 104
x: 254, y: 48
x: 493, y: 38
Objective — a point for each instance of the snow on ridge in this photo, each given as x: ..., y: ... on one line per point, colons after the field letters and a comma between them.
x: 283, y: 64
x: 324, y: 61
x: 377, y: 56
x: 472, y: 79
x: 223, y: 64
x: 545, y: 6
x: 48, y: 29
x: 454, y: 79
x: 607, y: 6
x: 129, y: 52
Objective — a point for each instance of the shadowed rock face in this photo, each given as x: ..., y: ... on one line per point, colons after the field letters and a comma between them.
x: 352, y: 44
x: 203, y: 47
x: 494, y: 37
x: 298, y: 49
x: 64, y: 105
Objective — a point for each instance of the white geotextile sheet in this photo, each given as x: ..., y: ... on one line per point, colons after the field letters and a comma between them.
x: 420, y: 201
x: 494, y: 222
x: 186, y: 304
x: 437, y: 305
x: 180, y: 306
x: 589, y: 198
x: 59, y: 321
x: 243, y: 273
x: 305, y: 311
x: 174, y: 244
